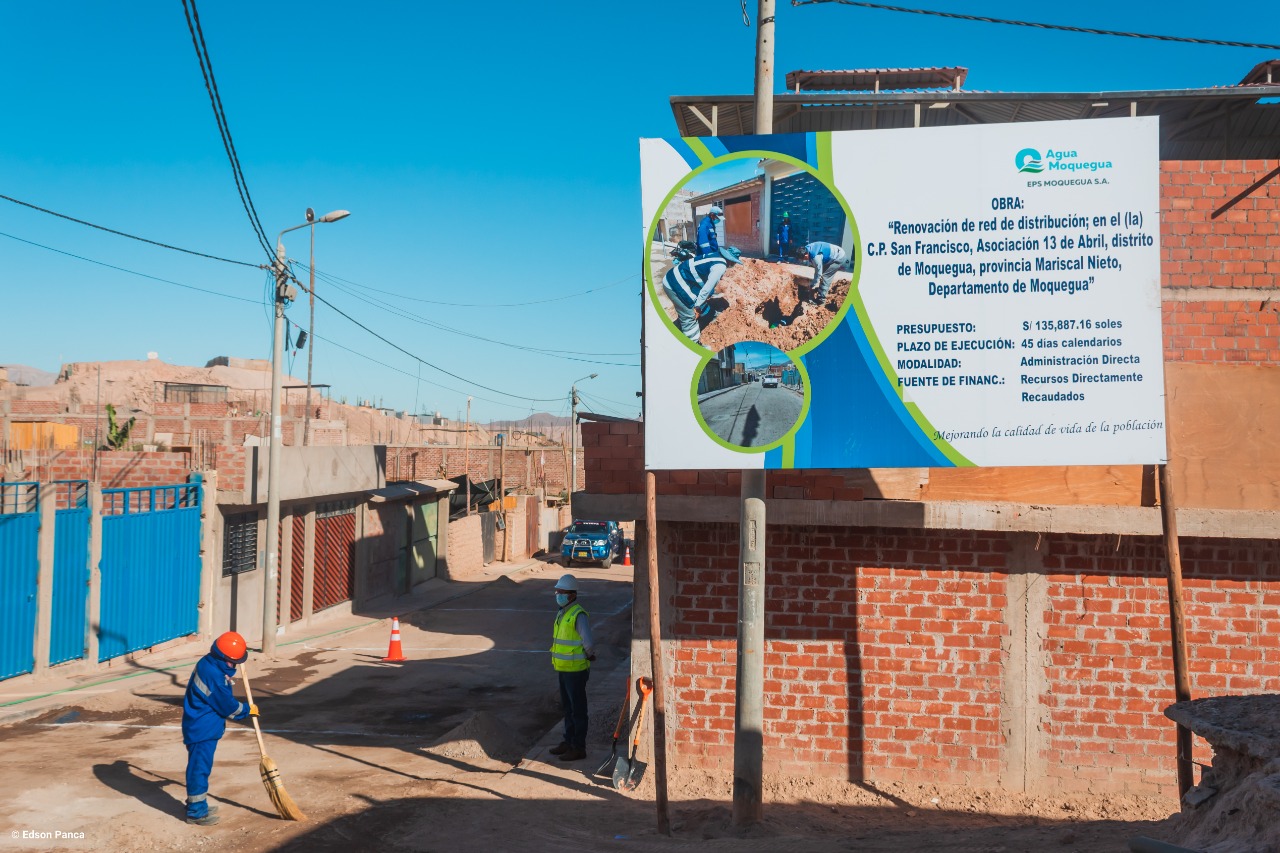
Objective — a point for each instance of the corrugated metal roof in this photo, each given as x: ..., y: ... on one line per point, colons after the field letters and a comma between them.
x: 1224, y: 123
x: 410, y: 489
x: 877, y: 79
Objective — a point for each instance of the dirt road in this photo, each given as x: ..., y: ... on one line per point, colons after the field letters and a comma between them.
x: 423, y: 757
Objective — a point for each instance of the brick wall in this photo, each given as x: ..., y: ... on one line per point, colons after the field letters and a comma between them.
x: 1240, y: 249
x: 116, y: 468
x: 525, y: 469
x: 465, y: 549
x: 888, y: 654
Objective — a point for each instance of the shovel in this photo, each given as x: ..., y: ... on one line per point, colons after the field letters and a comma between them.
x: 617, y: 730
x: 627, y: 774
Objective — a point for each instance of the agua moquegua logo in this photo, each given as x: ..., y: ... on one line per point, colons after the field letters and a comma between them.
x: 1056, y: 160
x: 1028, y: 160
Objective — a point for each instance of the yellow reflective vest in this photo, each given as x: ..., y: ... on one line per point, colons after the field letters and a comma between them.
x: 567, y: 653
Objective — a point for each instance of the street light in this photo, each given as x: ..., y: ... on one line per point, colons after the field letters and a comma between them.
x: 332, y: 216
x: 573, y: 441
x: 284, y: 293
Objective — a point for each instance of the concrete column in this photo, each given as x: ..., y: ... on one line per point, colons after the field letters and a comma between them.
x: 44, y: 579
x: 1022, y: 715
x: 286, y: 567
x: 210, y: 552
x: 309, y: 566
x: 93, y: 602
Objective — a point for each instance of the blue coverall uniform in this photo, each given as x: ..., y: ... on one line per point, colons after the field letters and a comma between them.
x: 784, y: 239
x: 708, y: 239
x: 205, y: 711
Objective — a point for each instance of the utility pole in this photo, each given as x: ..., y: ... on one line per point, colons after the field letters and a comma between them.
x: 466, y: 456
x: 283, y: 292
x: 748, y: 722
x: 311, y: 330
x: 573, y: 441
x: 573, y: 449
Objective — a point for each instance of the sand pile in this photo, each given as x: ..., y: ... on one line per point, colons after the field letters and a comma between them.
x: 480, y: 739
x: 761, y: 301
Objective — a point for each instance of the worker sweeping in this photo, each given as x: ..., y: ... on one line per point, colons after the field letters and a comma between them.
x: 206, y: 708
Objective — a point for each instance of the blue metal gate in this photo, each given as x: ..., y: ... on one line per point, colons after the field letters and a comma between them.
x: 150, y: 567
x: 19, y: 570
x: 70, y: 571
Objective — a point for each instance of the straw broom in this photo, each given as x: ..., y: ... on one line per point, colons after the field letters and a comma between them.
x: 280, y: 798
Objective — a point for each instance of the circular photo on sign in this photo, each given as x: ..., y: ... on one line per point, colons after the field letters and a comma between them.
x: 752, y: 249
x: 750, y: 396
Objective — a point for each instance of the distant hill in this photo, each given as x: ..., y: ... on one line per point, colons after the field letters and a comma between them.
x: 21, y: 374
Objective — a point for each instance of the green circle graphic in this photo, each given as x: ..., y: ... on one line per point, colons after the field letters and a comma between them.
x: 827, y: 183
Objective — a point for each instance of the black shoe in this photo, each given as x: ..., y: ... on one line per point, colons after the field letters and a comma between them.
x: 560, y: 750
x: 207, y: 820
x: 573, y: 754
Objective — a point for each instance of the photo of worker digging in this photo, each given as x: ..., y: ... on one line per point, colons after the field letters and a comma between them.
x: 750, y: 395
x: 752, y: 249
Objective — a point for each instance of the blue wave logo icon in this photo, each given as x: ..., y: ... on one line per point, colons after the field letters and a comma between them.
x: 1028, y: 160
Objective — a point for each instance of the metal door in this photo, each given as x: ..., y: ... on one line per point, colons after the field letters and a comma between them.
x: 150, y: 567
x: 488, y: 534
x: 70, y: 572
x: 335, y: 555
x: 297, y: 562
x: 19, y: 570
x: 423, y: 543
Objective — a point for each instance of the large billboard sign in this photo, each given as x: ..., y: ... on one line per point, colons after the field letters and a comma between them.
x: 958, y: 296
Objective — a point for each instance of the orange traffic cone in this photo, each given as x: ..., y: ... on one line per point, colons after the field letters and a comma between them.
x: 626, y: 557
x: 395, y: 654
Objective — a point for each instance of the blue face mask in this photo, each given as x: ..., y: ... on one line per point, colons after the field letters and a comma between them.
x: 562, y: 598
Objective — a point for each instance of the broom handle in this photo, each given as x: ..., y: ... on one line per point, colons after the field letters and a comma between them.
x: 248, y: 692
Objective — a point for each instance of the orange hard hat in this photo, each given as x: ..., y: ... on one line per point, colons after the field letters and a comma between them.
x: 232, y: 647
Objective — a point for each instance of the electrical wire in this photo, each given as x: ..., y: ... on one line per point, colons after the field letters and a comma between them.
x: 405, y: 372
x: 124, y: 234
x: 131, y: 272
x: 567, y: 355
x: 419, y: 359
x: 332, y: 279
x: 1039, y: 26
x: 220, y: 116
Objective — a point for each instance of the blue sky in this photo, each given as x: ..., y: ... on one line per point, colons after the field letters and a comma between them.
x: 755, y: 354
x: 488, y: 153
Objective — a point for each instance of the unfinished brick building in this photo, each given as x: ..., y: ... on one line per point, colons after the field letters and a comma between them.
x: 1000, y: 628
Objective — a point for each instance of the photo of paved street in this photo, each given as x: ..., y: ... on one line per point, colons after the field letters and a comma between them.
x: 752, y: 415
x: 750, y: 394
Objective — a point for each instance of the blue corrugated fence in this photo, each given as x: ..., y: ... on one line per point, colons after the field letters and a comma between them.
x: 70, y: 572
x: 150, y: 567
x: 19, y: 570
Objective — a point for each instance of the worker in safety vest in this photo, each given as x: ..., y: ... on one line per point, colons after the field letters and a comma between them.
x: 691, y: 283
x: 708, y: 239
x: 572, y: 651
x: 826, y: 260
x: 206, y: 708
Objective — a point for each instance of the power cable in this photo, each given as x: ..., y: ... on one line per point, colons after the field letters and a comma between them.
x: 220, y: 115
x: 333, y: 279
x: 131, y: 272
x: 567, y: 355
x: 405, y: 372
x: 124, y: 234
x: 419, y: 359
x: 1039, y: 26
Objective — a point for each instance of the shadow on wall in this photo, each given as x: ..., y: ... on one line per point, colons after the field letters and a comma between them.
x: 493, y: 820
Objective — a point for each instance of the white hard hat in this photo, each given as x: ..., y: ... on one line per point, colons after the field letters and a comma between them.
x: 715, y: 209
x: 567, y: 583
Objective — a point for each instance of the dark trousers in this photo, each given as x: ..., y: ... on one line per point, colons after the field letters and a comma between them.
x: 573, y: 699
x: 199, y: 765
